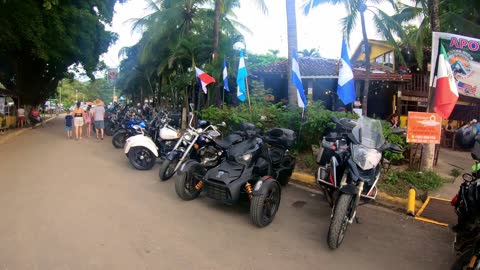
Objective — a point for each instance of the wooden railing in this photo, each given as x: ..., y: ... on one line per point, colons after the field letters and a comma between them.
x: 418, y: 86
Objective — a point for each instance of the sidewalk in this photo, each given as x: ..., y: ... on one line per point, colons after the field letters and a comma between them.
x: 11, y: 133
x: 447, y: 161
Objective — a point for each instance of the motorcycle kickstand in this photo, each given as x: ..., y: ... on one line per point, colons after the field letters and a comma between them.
x: 357, y: 220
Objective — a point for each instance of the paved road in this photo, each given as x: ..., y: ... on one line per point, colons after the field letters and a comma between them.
x: 80, y: 205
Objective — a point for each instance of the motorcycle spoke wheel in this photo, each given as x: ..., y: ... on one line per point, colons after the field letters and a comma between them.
x: 343, y: 211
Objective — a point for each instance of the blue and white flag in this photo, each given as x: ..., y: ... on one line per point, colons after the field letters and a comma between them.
x: 225, y: 76
x: 346, y: 84
x: 241, y: 76
x: 297, y: 82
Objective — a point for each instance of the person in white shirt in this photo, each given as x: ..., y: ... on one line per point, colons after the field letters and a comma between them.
x: 21, y: 117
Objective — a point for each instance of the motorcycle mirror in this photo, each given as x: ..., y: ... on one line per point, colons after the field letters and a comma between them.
x: 467, y: 177
x: 395, y: 148
x: 223, y: 124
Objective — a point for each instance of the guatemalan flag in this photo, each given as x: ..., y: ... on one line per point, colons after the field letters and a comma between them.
x: 204, y: 79
x: 225, y: 76
x: 346, y: 84
x: 297, y: 82
x: 241, y: 76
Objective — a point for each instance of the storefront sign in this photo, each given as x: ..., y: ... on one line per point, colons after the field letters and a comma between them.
x: 464, y: 57
x: 424, y: 128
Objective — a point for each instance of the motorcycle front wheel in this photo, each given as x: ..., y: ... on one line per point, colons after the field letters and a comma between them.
x: 141, y: 158
x: 187, y: 181
x: 344, y: 208
x: 119, y: 138
x: 167, y: 169
x: 264, y: 206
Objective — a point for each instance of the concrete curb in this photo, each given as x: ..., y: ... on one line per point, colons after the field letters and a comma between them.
x: 383, y: 198
x: 16, y: 133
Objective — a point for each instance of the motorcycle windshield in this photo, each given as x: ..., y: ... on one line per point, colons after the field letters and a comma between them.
x: 369, y: 133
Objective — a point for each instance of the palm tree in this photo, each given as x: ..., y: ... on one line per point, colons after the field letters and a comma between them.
x: 309, y: 53
x: 355, y: 8
x: 292, y: 46
x: 453, y: 17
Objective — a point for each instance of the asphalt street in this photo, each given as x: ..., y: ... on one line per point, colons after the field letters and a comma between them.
x: 68, y: 204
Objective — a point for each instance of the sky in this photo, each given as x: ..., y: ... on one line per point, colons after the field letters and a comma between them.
x: 320, y: 29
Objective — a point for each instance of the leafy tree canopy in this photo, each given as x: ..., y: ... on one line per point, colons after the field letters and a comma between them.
x: 40, y: 39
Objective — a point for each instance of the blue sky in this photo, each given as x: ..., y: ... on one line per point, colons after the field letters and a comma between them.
x: 320, y: 29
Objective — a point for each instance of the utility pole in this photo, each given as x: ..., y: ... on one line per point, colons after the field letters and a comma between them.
x: 76, y: 95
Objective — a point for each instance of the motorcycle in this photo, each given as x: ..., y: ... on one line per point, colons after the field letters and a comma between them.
x: 198, y: 144
x: 467, y: 207
x: 127, y: 130
x: 350, y: 165
x: 251, y: 171
x: 143, y: 150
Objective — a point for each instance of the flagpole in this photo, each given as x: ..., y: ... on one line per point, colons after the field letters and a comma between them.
x: 248, y: 93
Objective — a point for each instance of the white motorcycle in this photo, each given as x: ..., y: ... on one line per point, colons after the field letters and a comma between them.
x: 143, y: 150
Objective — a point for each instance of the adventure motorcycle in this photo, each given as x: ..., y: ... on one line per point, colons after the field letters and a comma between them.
x: 143, y: 150
x: 350, y: 166
x: 251, y: 171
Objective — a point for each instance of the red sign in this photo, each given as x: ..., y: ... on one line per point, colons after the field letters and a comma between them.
x: 424, y: 128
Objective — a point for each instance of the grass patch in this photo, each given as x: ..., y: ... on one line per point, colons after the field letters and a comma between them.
x: 397, y: 183
x: 455, y: 172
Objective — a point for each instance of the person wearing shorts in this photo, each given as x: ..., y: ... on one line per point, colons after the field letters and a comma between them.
x: 21, y: 117
x: 69, y: 124
x: 78, y: 115
x: 99, y: 117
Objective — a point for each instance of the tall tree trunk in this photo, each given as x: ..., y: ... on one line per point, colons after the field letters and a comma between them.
x: 216, y: 29
x: 366, y: 85
x: 292, y: 46
x: 428, y: 153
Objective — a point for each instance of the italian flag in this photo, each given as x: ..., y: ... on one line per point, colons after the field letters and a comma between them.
x: 446, y: 95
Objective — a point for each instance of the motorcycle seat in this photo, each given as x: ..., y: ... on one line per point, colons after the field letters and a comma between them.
x: 228, y: 141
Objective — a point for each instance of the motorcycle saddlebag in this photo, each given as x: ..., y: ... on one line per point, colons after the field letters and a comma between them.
x: 281, y: 137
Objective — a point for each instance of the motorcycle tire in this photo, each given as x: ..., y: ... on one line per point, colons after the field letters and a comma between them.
x: 119, y: 139
x: 463, y: 261
x: 340, y: 220
x: 109, y: 128
x: 167, y: 169
x: 264, y: 206
x: 187, y: 181
x: 141, y: 158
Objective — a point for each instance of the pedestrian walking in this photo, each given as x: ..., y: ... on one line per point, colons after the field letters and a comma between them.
x: 78, y: 115
x: 69, y: 124
x: 99, y: 117
x: 21, y: 117
x: 88, y: 121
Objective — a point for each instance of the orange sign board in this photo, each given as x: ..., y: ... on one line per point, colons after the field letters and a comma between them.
x: 424, y: 128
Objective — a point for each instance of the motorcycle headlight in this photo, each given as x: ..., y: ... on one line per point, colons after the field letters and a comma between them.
x: 187, y: 137
x: 244, y: 159
x: 365, y: 158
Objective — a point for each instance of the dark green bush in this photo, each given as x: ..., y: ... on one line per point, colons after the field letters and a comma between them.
x: 399, y: 182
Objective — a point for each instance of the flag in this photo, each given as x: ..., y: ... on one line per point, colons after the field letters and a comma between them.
x: 446, y: 95
x: 241, y: 76
x: 297, y: 82
x: 225, y: 76
x: 204, y: 79
x: 346, y: 84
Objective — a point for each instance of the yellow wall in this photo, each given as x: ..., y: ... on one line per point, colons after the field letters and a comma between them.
x: 376, y: 50
x: 11, y: 120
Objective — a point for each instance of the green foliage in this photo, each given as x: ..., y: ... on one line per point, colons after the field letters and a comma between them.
x: 264, y: 115
x: 398, y: 182
x: 396, y: 139
x: 455, y: 172
x: 40, y: 40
